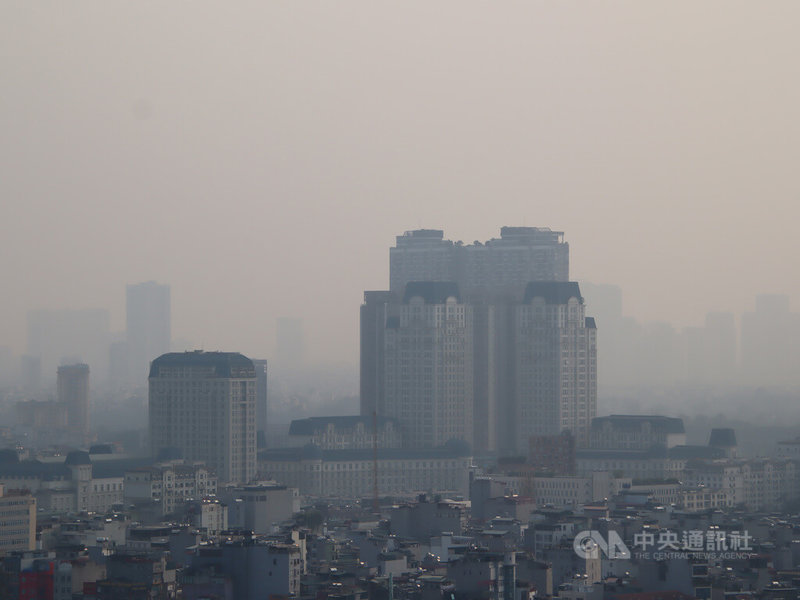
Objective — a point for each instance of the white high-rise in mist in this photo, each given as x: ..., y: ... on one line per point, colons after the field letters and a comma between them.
x: 204, y: 404
x: 486, y: 343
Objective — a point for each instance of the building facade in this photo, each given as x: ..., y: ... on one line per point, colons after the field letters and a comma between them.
x: 636, y: 432
x: 476, y: 326
x: 351, y: 473
x: 261, y: 394
x: 346, y: 432
x: 148, y: 326
x: 204, y: 404
x: 73, y: 394
x: 169, y: 484
x: 556, y: 364
x: 17, y: 521
x: 428, y: 354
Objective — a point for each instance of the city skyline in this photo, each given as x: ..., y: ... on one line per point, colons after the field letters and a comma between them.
x: 684, y: 181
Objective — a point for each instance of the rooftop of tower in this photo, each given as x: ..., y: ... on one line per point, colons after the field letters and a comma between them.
x: 508, y: 234
x: 553, y: 292
x: 224, y: 364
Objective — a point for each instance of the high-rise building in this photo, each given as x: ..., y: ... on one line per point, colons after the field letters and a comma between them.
x: 73, y: 393
x: 204, y: 404
x: 260, y: 366
x: 428, y: 373
x: 148, y: 329
x: 290, y: 345
x: 556, y: 363
x: 497, y: 325
x: 500, y: 267
x: 374, y: 312
x: 770, y: 342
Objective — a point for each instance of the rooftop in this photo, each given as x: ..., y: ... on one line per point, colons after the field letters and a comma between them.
x: 311, y: 425
x: 225, y: 364
x: 658, y: 423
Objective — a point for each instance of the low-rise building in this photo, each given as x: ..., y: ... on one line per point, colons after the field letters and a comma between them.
x: 75, y: 483
x: 254, y: 569
x: 350, y: 473
x: 636, y: 432
x: 17, y: 521
x: 577, y: 491
x: 260, y: 508
x: 169, y: 484
x: 346, y: 432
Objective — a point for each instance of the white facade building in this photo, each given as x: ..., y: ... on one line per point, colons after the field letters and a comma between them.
x: 204, y: 404
x: 556, y: 363
x: 429, y: 386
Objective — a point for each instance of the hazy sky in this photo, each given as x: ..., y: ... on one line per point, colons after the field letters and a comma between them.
x: 260, y: 157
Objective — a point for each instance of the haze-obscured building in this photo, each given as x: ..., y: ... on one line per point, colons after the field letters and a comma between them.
x: 290, y: 345
x: 148, y: 326
x: 346, y: 433
x: 428, y: 354
x: 556, y: 364
x: 73, y: 394
x: 350, y: 473
x: 260, y: 366
x: 204, y: 404
x: 462, y: 331
x: 636, y: 432
x: 770, y: 342
x: 60, y: 337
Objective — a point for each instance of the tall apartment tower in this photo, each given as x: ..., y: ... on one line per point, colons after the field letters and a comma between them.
x: 73, y: 391
x: 374, y: 313
x: 428, y: 370
x: 260, y: 366
x: 556, y: 364
x: 526, y: 354
x: 148, y: 328
x: 204, y: 404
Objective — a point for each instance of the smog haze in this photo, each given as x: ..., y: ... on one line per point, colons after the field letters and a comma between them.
x: 260, y: 157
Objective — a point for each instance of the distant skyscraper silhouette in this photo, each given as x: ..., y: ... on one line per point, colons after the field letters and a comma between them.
x: 73, y: 392
x: 204, y: 404
x: 260, y: 366
x: 148, y: 328
x: 290, y: 344
x: 770, y: 342
x: 63, y: 336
